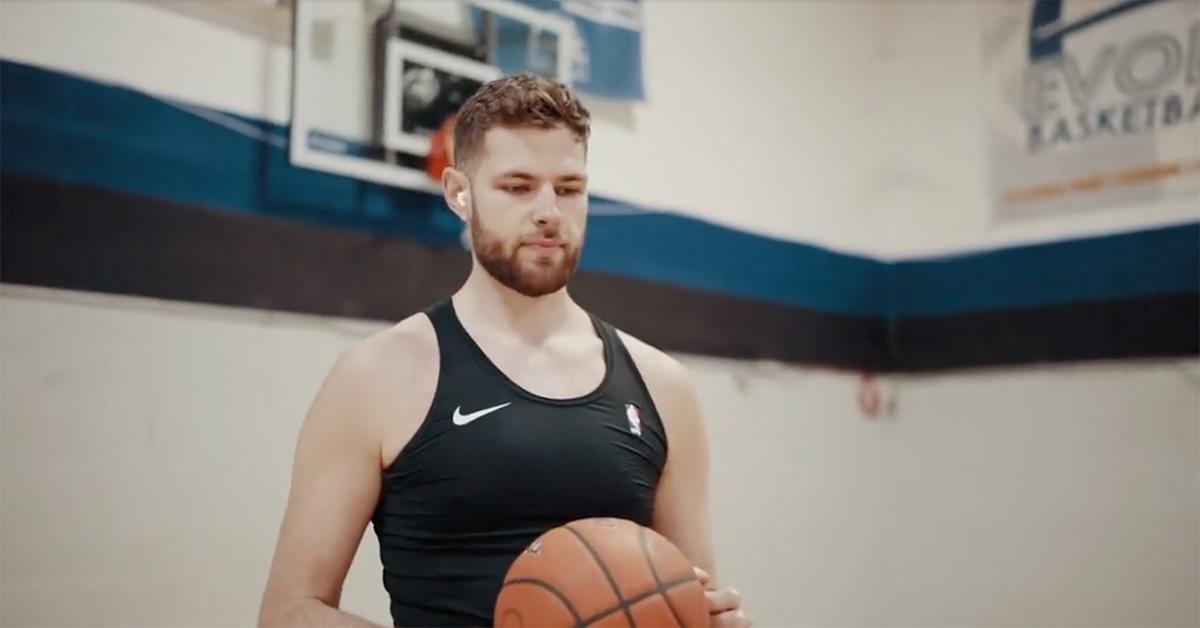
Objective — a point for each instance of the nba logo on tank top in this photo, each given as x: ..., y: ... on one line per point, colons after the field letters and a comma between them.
x: 635, y: 419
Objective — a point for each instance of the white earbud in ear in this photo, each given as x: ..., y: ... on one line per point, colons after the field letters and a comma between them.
x: 461, y: 198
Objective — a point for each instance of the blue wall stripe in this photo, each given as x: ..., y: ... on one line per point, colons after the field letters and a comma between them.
x: 1126, y: 265
x: 59, y: 127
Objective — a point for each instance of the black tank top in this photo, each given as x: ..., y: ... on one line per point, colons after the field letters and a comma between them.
x: 493, y: 466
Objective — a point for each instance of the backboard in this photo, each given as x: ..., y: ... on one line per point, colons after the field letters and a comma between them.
x: 372, y: 80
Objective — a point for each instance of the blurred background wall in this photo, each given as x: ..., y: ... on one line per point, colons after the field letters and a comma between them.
x: 147, y: 434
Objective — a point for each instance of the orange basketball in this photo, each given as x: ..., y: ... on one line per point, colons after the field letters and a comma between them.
x: 601, y: 572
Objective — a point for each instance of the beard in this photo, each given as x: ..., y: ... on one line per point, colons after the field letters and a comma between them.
x: 531, y: 276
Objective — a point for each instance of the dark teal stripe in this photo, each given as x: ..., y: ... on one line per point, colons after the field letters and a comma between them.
x: 59, y: 127
x: 63, y: 128
x: 1123, y: 266
x: 692, y: 253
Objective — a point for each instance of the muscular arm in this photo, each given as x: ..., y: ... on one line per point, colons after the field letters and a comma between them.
x: 335, y: 482
x: 336, y: 478
x: 681, y: 504
x: 681, y: 508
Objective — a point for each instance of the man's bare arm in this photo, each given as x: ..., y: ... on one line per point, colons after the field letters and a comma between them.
x: 681, y: 504
x: 335, y: 485
x: 317, y: 613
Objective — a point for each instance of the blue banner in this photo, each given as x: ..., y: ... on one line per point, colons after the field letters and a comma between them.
x: 607, y: 60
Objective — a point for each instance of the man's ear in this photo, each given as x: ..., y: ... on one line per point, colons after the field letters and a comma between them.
x: 456, y: 190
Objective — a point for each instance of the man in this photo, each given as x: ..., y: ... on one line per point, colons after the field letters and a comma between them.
x: 464, y: 432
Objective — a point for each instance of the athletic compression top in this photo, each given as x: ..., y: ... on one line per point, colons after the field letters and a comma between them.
x: 493, y: 466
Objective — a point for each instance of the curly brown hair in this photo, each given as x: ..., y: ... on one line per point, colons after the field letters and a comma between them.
x: 515, y: 101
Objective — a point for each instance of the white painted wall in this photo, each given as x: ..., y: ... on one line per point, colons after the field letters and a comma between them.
x: 163, y: 52
x: 146, y: 454
x: 147, y: 445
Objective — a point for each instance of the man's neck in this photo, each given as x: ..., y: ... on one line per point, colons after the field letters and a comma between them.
x: 487, y: 302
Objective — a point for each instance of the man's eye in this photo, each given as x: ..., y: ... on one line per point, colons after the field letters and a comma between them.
x: 569, y: 191
x: 516, y: 188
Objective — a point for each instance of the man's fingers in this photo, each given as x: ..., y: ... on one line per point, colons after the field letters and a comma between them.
x: 702, y: 576
x: 723, y: 600
x: 724, y: 606
x: 730, y: 619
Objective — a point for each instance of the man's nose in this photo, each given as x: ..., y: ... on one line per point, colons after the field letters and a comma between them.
x: 547, y: 212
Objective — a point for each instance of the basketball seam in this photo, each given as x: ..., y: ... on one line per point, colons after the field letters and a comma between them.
x: 621, y: 603
x: 654, y: 572
x: 537, y: 582
x: 662, y: 590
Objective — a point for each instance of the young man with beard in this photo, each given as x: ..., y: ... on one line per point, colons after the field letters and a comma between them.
x: 464, y: 432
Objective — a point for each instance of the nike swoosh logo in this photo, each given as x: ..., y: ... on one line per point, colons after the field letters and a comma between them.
x: 463, y: 419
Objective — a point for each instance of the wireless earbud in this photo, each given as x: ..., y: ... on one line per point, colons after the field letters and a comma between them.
x: 461, y: 198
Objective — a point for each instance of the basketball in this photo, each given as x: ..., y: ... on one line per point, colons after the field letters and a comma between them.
x: 601, y: 572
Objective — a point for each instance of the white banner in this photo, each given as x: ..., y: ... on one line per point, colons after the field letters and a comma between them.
x: 1091, y: 104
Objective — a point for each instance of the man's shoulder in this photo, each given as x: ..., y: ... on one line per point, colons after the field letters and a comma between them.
x: 383, y: 384
x: 665, y: 375
x: 404, y: 350
x: 670, y: 386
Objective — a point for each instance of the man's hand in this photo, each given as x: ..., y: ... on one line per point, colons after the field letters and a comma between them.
x: 724, y: 605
